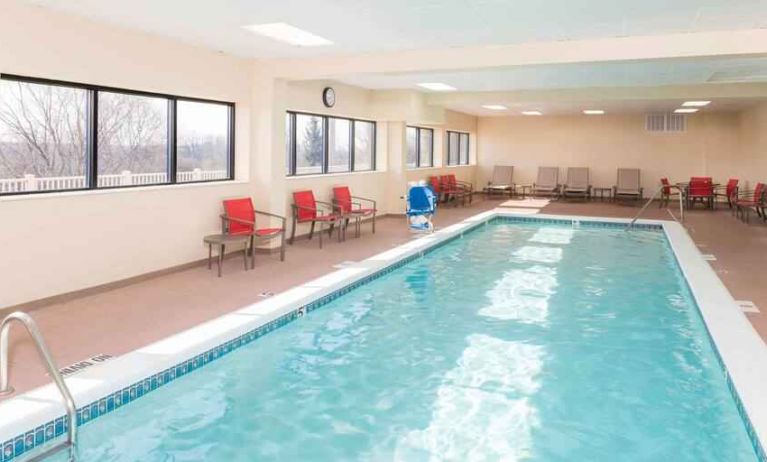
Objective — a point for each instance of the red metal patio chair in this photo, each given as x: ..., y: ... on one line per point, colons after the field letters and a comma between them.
x: 667, y: 192
x: 306, y: 209
x: 239, y: 218
x: 436, y: 186
x: 351, y: 206
x: 751, y: 200
x: 701, y: 190
x: 730, y: 190
x: 456, y: 189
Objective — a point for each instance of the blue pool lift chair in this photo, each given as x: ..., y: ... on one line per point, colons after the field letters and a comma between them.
x: 421, y: 207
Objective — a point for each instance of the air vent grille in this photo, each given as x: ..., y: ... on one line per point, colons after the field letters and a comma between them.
x: 666, y: 123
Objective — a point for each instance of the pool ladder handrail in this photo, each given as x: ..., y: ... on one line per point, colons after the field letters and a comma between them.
x: 649, y: 201
x: 5, y: 389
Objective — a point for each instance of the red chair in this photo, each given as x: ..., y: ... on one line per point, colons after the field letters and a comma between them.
x: 701, y: 190
x: 452, y: 188
x: 344, y: 203
x: 436, y: 186
x: 730, y: 190
x: 239, y: 218
x: 755, y: 201
x: 666, y: 192
x: 306, y: 209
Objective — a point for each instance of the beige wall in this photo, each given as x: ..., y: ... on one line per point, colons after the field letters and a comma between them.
x: 752, y: 164
x: 63, y: 242
x: 605, y: 143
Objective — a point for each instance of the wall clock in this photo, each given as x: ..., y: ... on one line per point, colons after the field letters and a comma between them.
x: 329, y: 97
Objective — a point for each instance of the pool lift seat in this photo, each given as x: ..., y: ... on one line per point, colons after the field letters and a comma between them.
x: 421, y: 207
x: 50, y: 364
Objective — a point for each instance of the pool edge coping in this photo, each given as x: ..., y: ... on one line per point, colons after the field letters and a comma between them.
x: 729, y: 330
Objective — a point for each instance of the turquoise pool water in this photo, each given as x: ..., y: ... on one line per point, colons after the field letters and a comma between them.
x: 517, y: 342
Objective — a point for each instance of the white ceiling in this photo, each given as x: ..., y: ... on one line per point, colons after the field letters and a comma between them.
x: 359, y: 26
x: 557, y: 108
x: 578, y: 75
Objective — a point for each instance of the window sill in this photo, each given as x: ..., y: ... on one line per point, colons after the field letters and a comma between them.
x: 330, y: 175
x: 98, y: 192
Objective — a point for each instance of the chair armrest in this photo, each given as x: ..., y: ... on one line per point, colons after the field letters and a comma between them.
x: 365, y: 199
x: 236, y: 220
x: 273, y: 215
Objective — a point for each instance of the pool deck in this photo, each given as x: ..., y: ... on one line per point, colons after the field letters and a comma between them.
x: 124, y: 318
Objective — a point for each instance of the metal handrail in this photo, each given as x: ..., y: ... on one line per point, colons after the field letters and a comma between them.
x: 50, y: 364
x: 649, y: 201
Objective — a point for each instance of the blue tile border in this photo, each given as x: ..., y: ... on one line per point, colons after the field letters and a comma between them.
x: 46, y: 433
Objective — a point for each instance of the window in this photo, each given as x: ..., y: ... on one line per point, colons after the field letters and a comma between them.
x: 457, y: 148
x: 202, y: 141
x: 43, y: 141
x: 420, y: 147
x: 132, y: 138
x: 57, y: 136
x: 318, y: 144
x: 364, y: 145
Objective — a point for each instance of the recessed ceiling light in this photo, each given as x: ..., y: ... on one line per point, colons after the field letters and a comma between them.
x: 436, y: 86
x: 532, y: 113
x: 593, y: 111
x: 685, y: 110
x: 288, y: 34
x: 696, y: 103
x: 495, y: 107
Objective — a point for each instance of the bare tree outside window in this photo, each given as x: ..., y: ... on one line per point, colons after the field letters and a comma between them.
x: 364, y: 138
x: 339, y: 145
x: 203, y: 131
x: 42, y: 134
x: 133, y: 137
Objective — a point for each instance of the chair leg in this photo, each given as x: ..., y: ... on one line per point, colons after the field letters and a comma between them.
x: 374, y: 222
x: 321, y: 226
x: 221, y: 250
x: 311, y: 230
x: 252, y: 252
x: 210, y: 255
x: 282, y: 246
x: 245, y: 254
x: 292, y: 231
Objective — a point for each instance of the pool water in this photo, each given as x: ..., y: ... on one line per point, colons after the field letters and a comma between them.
x: 518, y: 341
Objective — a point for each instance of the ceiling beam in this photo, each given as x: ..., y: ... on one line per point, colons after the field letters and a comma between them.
x: 733, y: 43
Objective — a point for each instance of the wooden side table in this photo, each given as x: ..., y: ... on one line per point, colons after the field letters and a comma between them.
x: 222, y: 240
x: 601, y: 192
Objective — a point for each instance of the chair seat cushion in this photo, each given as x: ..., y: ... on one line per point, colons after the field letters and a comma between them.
x: 268, y: 231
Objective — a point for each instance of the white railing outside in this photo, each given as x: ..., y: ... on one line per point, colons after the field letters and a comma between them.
x: 31, y: 183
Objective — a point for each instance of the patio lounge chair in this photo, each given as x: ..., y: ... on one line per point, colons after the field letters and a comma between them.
x: 751, y: 200
x: 455, y: 190
x: 239, y: 218
x: 577, y: 184
x: 306, y: 209
x: 351, y: 206
x: 501, y: 181
x: 629, y: 185
x: 547, y: 183
x: 421, y: 207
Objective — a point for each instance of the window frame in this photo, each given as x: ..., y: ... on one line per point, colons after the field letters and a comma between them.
x: 91, y: 133
x: 418, y: 147
x: 458, y: 154
x: 290, y: 121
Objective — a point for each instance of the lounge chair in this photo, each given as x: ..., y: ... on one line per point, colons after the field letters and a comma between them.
x: 667, y: 192
x: 351, y: 206
x: 501, y: 181
x: 239, y: 218
x: 751, y: 200
x: 629, y: 185
x: 421, y: 207
x: 547, y: 183
x: 455, y: 190
x: 306, y: 209
x: 577, y: 184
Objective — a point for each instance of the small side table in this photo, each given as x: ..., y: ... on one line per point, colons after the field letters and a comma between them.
x: 525, y: 188
x: 222, y: 240
x: 602, y: 192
